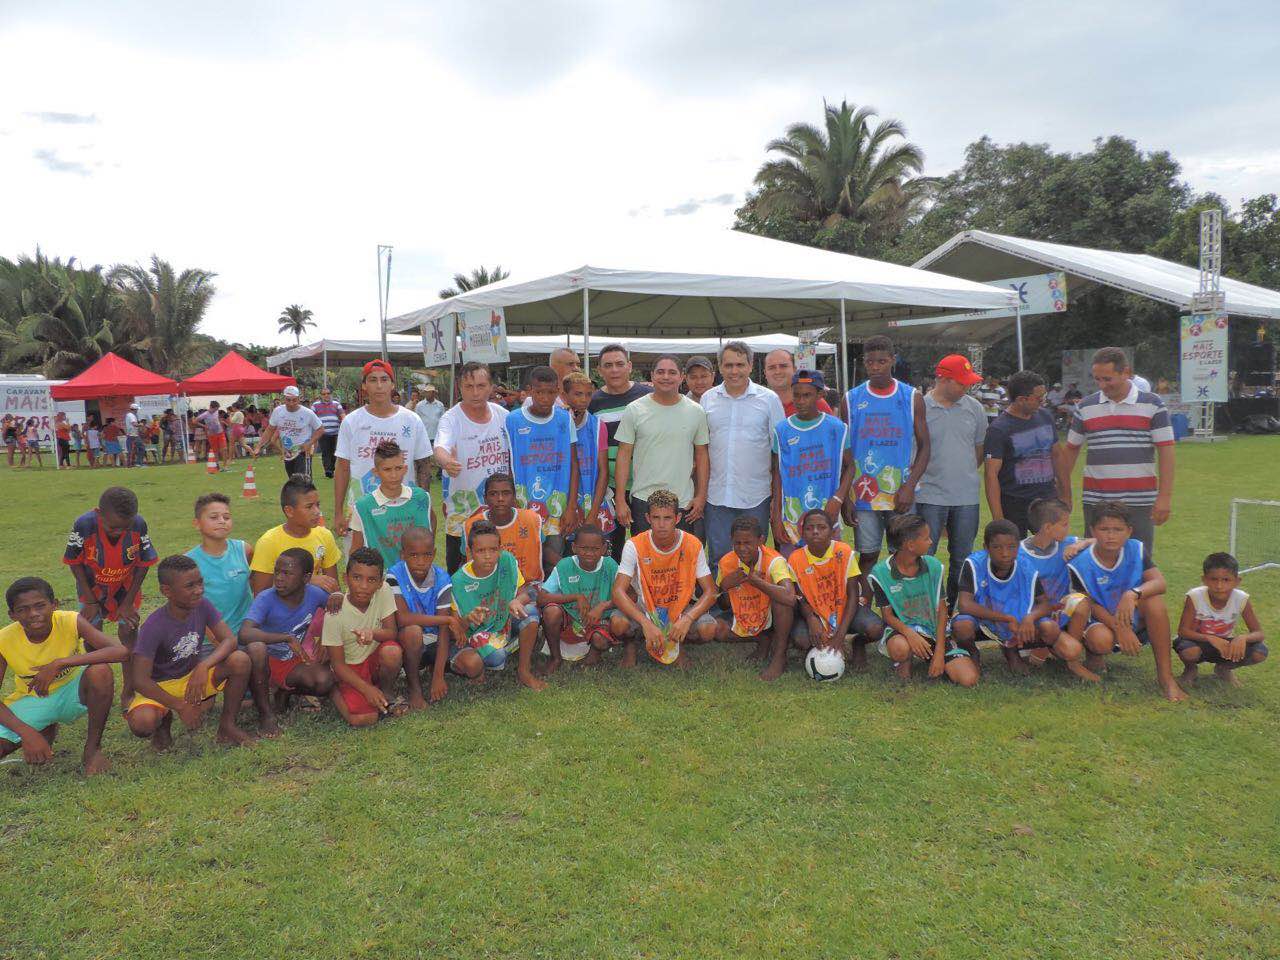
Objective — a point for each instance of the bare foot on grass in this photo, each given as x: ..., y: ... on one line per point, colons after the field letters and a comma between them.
x: 1227, y: 675
x: 235, y: 737
x: 96, y: 763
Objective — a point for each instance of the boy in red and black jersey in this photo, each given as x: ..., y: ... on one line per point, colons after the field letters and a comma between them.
x: 109, y: 552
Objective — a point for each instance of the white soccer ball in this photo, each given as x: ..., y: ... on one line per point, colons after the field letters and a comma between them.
x: 823, y: 663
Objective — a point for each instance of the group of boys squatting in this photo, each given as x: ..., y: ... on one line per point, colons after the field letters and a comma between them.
x: 270, y: 619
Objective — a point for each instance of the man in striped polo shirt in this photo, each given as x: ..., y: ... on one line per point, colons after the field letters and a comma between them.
x: 1130, y: 456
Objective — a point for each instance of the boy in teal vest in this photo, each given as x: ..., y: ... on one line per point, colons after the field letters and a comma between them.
x: 380, y: 518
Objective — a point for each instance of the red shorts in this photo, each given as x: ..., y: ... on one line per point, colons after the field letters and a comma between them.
x: 368, y: 671
x: 218, y: 442
x: 280, y: 670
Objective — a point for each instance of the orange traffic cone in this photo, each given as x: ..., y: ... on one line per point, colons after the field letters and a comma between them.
x: 250, y: 489
x: 211, y: 465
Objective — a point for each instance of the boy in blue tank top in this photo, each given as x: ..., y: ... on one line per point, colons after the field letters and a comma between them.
x: 544, y: 461
x: 811, y: 463
x: 889, y: 443
x: 1001, y: 598
x: 1048, y: 549
x: 424, y: 593
x: 1126, y: 594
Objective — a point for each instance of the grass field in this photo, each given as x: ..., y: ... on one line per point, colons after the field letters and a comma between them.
x: 658, y: 815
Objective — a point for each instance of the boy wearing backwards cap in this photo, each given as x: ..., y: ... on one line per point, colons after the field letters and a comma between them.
x: 948, y: 494
x: 363, y: 429
x: 299, y: 430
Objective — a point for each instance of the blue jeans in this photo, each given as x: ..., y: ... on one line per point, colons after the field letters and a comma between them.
x: 961, y: 524
x: 719, y: 523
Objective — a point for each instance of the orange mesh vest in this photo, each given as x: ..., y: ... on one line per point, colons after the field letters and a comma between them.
x: 522, y: 537
x: 751, y: 607
x: 667, y: 579
x: 824, y: 585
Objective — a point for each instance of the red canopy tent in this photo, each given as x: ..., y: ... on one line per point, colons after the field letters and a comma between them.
x: 113, y: 376
x: 234, y: 374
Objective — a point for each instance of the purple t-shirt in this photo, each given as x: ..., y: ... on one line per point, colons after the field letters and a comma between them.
x: 212, y: 422
x: 174, y: 645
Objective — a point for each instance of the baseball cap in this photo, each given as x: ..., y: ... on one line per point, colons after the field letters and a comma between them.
x: 698, y: 361
x: 958, y: 368
x: 372, y: 365
x: 809, y: 376
x: 133, y: 406
x: 292, y: 391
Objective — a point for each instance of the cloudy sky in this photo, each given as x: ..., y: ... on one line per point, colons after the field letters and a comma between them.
x: 277, y: 144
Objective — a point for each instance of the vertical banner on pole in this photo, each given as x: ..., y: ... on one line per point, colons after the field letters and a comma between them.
x: 586, y: 331
x: 484, y: 336
x: 1204, y: 358
x: 807, y: 351
x: 437, y: 341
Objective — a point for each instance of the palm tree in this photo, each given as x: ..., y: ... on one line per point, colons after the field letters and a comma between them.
x: 852, y: 170
x: 165, y: 309
x: 480, y: 277
x: 295, y: 319
x: 57, y: 316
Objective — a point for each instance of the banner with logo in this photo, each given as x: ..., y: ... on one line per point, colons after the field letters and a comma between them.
x: 807, y: 350
x: 438, y: 341
x: 484, y: 336
x: 1204, y: 358
x: 24, y: 400
x: 1037, y: 295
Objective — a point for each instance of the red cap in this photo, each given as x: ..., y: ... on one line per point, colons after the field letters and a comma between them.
x: 958, y: 368
x: 377, y: 365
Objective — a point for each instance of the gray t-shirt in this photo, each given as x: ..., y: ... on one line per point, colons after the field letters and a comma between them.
x: 951, y: 479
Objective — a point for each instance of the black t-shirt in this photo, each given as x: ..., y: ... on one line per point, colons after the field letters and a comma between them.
x: 609, y: 407
x: 1025, y: 451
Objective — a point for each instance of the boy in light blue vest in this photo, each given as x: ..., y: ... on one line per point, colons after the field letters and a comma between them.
x: 381, y: 517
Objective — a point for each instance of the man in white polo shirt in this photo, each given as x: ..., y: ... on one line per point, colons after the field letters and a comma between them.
x: 741, y: 415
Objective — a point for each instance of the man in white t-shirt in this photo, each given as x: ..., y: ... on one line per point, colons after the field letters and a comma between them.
x: 471, y: 446
x: 135, y: 455
x: 299, y: 430
x: 363, y: 429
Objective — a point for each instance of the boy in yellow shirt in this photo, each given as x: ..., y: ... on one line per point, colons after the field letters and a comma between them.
x: 54, y: 679
x: 300, y: 504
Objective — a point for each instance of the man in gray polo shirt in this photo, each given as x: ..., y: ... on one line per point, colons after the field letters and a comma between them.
x: 948, y: 493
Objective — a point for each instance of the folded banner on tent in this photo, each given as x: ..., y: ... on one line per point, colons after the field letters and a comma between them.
x: 484, y: 335
x: 438, y: 340
x: 1038, y: 294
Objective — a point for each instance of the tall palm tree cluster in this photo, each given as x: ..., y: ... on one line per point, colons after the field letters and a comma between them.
x: 59, y: 317
x: 853, y: 182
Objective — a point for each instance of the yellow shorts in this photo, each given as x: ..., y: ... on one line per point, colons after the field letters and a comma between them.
x: 176, y: 687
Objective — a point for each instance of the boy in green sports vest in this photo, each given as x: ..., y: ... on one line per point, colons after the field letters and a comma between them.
x: 380, y: 518
x: 908, y: 587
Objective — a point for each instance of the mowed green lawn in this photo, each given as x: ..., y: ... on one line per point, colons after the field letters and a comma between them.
x: 657, y: 815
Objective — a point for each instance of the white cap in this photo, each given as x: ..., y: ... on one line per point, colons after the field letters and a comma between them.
x: 133, y: 406
x: 292, y: 391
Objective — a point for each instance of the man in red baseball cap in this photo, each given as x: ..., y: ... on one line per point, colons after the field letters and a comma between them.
x: 949, y: 492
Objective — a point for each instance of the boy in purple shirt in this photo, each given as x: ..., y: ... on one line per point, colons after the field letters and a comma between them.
x: 169, y: 675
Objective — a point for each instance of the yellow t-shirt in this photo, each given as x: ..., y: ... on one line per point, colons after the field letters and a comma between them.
x: 339, y: 628
x: 320, y: 543
x: 25, y: 658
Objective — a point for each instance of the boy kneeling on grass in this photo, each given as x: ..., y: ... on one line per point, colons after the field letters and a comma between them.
x: 826, y: 572
x: 577, y: 601
x: 275, y: 626
x: 1211, y: 615
x: 54, y: 680
x: 363, y: 643
x: 761, y: 593
x: 492, y: 601
x: 1126, y: 594
x: 660, y: 571
x: 1001, y: 598
x: 908, y: 587
x: 170, y: 676
x: 423, y: 594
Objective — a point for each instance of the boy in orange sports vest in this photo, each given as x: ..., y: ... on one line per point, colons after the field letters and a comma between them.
x: 827, y: 575
x: 519, y: 531
x: 760, y: 589
x: 659, y: 573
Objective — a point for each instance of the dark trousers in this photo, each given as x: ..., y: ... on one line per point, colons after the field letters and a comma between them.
x: 453, y: 555
x: 299, y: 466
x: 328, y: 450
x: 1015, y: 511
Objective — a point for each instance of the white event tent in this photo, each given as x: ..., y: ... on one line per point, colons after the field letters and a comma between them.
x: 322, y: 353
x: 722, y: 284
x: 988, y: 257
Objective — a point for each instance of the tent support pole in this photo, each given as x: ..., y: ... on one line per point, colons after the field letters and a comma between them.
x: 586, y: 331
x: 453, y: 359
x: 843, y: 379
x: 324, y: 359
x: 1018, y: 321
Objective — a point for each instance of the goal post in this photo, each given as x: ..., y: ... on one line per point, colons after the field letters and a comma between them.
x: 1255, y: 534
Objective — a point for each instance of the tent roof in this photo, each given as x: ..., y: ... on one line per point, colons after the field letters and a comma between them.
x: 113, y: 376
x: 978, y: 255
x: 342, y: 352
x: 234, y: 374
x: 689, y: 282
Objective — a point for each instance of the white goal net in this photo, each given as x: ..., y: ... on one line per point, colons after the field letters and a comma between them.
x: 1255, y: 534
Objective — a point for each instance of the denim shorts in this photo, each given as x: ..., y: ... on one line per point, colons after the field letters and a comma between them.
x: 868, y: 536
